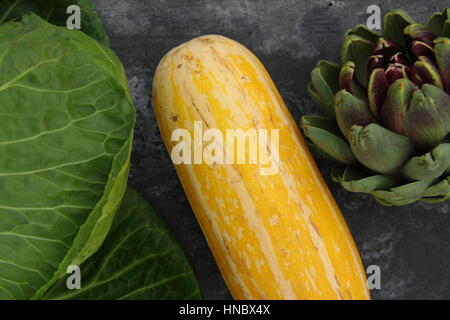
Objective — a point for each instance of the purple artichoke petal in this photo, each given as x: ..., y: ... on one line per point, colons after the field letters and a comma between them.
x: 397, y: 104
x: 350, y: 111
x: 377, y: 91
x: 418, y: 32
x: 397, y: 71
x: 346, y: 76
x: 375, y: 62
x: 347, y: 81
x: 425, y: 71
x: 400, y: 58
x: 386, y: 48
x: 420, y: 49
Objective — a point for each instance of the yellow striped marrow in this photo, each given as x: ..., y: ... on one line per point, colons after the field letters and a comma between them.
x: 273, y: 236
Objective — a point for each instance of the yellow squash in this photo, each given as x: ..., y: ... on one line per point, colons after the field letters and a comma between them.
x: 274, y: 236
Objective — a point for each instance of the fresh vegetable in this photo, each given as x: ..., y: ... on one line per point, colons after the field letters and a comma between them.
x: 387, y: 110
x: 66, y: 128
x: 274, y: 236
x: 139, y: 260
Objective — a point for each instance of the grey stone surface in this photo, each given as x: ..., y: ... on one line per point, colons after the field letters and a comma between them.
x: 410, y: 244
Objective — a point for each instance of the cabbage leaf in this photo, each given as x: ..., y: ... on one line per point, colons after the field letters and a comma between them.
x: 66, y: 127
x: 139, y: 260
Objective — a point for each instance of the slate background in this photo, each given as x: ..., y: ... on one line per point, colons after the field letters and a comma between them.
x: 410, y: 244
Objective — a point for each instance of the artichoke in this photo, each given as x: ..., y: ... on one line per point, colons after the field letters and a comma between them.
x: 387, y: 110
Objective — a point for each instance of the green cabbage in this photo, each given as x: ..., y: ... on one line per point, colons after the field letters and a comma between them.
x: 66, y: 125
x: 66, y: 129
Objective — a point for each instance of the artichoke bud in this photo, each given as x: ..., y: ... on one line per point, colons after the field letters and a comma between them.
x: 425, y: 71
x: 424, y: 123
x: 390, y: 105
x: 380, y: 149
x: 442, y: 53
x: 419, y: 49
x: 397, y: 103
x: 377, y: 90
x: 350, y: 111
x: 418, y: 32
